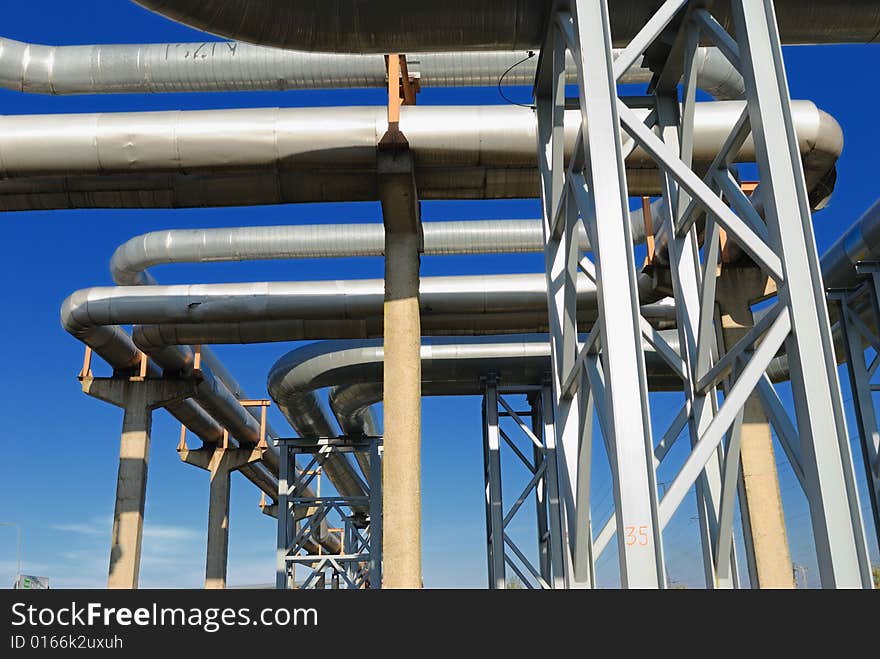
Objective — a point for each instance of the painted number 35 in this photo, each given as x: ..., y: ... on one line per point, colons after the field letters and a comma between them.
x: 637, y: 535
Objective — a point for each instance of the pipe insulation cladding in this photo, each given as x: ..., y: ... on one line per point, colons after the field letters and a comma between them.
x: 400, y: 26
x: 232, y: 66
x: 289, y: 155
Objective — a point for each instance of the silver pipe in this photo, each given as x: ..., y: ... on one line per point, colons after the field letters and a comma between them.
x: 245, y: 313
x: 391, y: 26
x: 116, y: 347
x: 311, y: 420
x: 450, y: 367
x: 238, y: 66
x: 131, y: 259
x: 267, y: 156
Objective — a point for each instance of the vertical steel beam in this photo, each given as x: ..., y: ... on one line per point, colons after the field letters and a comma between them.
x: 490, y: 565
x: 375, y: 516
x: 862, y: 390
x: 554, y: 505
x: 494, y: 509
x: 540, y: 457
x: 684, y: 266
x: 837, y: 524
x: 626, y: 400
x: 561, y: 255
x: 285, y: 518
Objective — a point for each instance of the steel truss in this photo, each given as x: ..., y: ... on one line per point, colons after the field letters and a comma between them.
x: 854, y: 305
x: 605, y: 371
x: 535, y: 427
x: 302, y: 520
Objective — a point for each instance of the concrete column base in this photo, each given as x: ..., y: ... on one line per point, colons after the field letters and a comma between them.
x: 220, y: 462
x: 138, y: 398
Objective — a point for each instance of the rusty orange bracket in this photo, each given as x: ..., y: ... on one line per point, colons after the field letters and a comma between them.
x: 262, y: 403
x: 748, y: 186
x: 86, y: 371
x: 410, y: 86
x: 649, y: 229
x: 402, y: 90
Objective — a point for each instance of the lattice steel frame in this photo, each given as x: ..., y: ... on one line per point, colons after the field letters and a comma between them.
x: 857, y: 334
x: 607, y: 370
x: 536, y: 427
x: 301, y: 519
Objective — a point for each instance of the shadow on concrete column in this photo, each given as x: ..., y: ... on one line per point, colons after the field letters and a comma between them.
x: 737, y: 289
x: 220, y: 461
x: 401, y: 477
x: 138, y: 397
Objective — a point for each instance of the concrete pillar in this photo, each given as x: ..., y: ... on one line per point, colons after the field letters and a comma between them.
x: 138, y: 397
x: 737, y: 288
x: 220, y: 462
x: 401, y: 477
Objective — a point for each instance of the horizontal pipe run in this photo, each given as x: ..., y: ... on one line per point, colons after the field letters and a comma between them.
x: 218, y: 66
x: 450, y: 304
x: 384, y: 26
x: 450, y: 367
x: 289, y: 155
x: 130, y: 260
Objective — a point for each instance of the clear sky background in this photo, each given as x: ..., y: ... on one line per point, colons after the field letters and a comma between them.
x: 60, y: 448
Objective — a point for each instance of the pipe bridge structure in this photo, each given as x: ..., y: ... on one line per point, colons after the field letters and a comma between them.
x: 665, y: 270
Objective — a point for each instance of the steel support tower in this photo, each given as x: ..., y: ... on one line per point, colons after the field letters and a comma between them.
x: 530, y: 437
x: 605, y: 369
x: 302, y: 519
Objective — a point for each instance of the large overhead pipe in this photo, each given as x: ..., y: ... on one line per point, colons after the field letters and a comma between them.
x: 287, y: 155
x: 396, y: 26
x: 217, y: 66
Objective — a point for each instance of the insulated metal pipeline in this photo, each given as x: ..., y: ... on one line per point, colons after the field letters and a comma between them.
x: 284, y: 311
x: 288, y: 155
x: 450, y: 367
x: 397, y: 26
x: 218, y: 66
x: 353, y: 369
x: 115, y: 346
x: 131, y: 259
x: 213, y: 407
x: 94, y: 315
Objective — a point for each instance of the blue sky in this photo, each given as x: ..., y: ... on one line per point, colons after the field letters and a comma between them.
x: 60, y: 448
